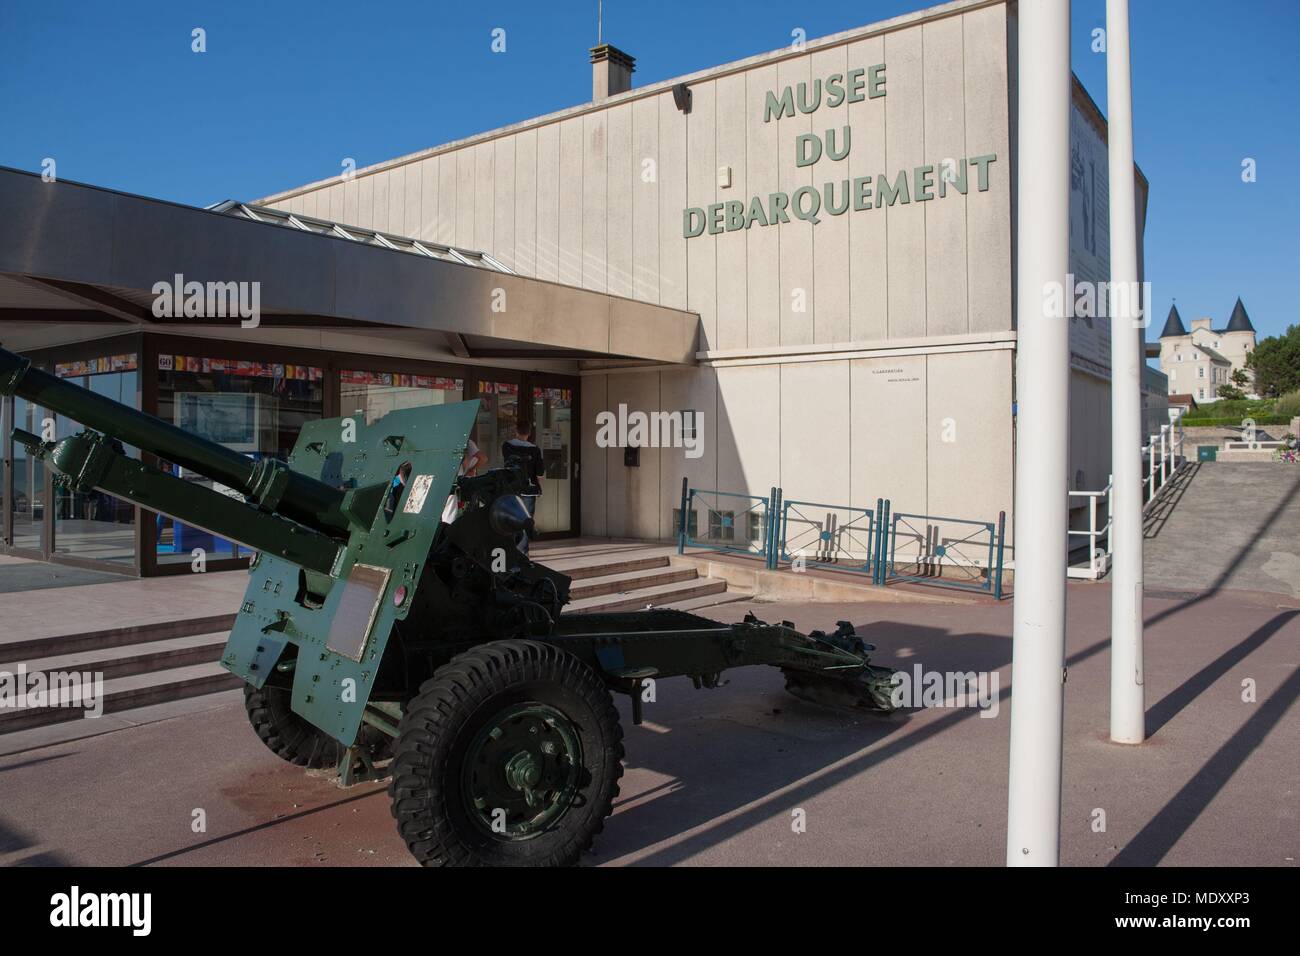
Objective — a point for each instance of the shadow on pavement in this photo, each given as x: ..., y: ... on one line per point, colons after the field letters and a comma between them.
x: 699, y: 804
x: 1155, y: 839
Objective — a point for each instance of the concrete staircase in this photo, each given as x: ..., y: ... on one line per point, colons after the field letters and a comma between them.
x: 159, y: 661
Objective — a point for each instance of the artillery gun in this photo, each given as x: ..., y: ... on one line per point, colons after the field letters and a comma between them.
x: 377, y: 639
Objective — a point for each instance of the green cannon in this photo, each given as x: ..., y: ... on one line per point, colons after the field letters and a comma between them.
x: 381, y: 641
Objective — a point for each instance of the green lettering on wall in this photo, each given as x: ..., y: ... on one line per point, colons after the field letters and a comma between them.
x: 982, y: 167
x: 778, y: 107
x: 834, y: 90
x: 886, y: 194
x: 923, y: 183
x: 876, y: 81
x: 690, y: 217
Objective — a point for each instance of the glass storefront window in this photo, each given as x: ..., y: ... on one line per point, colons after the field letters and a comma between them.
x: 94, y: 524
x: 497, y: 413
x: 375, y: 394
x: 255, y: 408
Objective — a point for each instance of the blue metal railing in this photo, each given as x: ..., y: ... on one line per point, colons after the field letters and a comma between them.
x: 887, y: 545
x: 733, y: 521
x: 828, y: 536
x: 950, y: 552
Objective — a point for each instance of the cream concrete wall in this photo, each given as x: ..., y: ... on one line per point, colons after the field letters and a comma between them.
x: 568, y: 197
x: 594, y: 197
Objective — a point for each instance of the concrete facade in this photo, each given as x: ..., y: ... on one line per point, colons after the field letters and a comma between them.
x: 868, y: 355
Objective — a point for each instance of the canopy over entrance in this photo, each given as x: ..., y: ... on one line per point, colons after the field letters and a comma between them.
x: 76, y: 254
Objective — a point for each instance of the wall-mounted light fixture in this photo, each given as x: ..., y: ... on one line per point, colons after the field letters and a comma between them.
x: 682, y: 97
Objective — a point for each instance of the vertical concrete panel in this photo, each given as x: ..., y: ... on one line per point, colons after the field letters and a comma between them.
x: 945, y: 148
x: 732, y: 252
x: 485, y: 185
x: 332, y: 203
x: 397, y: 201
x: 762, y: 243
x: 448, y: 198
x: 569, y: 247
x: 905, y: 148
x: 970, y: 474
x: 988, y: 227
x: 688, y: 389
x: 797, y: 303
x: 672, y: 200
x: 366, y: 202
x: 548, y: 202
x: 701, y: 192
x: 593, y: 475
x: 465, y: 199
x: 351, y: 202
x: 595, y: 207
x: 526, y: 203
x: 888, y: 409
x: 815, y: 435
x: 379, y: 217
x: 619, y: 191
x: 645, y: 199
x: 427, y: 219
x: 749, y: 448
x: 503, y: 238
x: 633, y: 499
x: 868, y: 246
x: 831, y: 236
x: 307, y: 204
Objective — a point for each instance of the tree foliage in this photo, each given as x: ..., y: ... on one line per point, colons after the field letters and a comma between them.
x: 1276, y: 363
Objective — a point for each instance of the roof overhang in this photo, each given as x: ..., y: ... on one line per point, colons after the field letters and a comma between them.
x: 76, y: 253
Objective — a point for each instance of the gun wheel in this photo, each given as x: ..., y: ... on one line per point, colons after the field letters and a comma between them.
x: 291, y: 737
x: 509, y: 755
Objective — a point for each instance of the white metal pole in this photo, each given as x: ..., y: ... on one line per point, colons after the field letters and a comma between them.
x: 1042, y: 433
x: 1127, y: 701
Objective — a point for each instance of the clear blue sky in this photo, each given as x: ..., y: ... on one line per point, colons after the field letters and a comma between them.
x: 287, y: 89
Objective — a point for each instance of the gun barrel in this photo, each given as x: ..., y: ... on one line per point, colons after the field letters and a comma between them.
x: 294, y: 495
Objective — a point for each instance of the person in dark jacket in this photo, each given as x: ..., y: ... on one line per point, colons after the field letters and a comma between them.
x: 522, y: 451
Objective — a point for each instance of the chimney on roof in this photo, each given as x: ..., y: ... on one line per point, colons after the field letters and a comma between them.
x: 611, y: 71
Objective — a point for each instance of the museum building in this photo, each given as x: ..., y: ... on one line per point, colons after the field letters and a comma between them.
x: 809, y: 252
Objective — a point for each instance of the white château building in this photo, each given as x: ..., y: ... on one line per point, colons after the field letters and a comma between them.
x: 1200, y: 362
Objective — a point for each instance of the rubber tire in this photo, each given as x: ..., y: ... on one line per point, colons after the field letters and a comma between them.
x: 449, y: 710
x: 293, y: 738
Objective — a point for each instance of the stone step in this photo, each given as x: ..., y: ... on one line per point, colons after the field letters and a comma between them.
x: 56, y: 645
x: 123, y: 693
x: 635, y: 581
x: 657, y: 596
x: 707, y: 600
x: 586, y: 570
x: 129, y: 659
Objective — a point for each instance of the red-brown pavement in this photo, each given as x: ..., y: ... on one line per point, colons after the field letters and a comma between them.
x: 716, y: 776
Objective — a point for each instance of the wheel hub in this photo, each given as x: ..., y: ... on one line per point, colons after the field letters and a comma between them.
x: 521, y: 771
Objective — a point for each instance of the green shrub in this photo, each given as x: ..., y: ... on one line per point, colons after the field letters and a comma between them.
x: 1216, y: 422
x: 1288, y: 405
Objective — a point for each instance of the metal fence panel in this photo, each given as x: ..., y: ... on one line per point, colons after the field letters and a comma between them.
x: 828, y: 536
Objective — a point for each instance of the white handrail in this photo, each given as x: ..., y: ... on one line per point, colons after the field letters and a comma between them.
x: 1168, y: 445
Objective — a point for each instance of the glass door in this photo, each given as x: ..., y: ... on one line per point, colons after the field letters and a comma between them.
x: 547, y: 405
x: 553, y: 432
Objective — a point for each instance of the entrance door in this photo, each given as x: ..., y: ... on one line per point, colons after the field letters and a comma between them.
x: 553, y: 420
x: 548, y: 403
